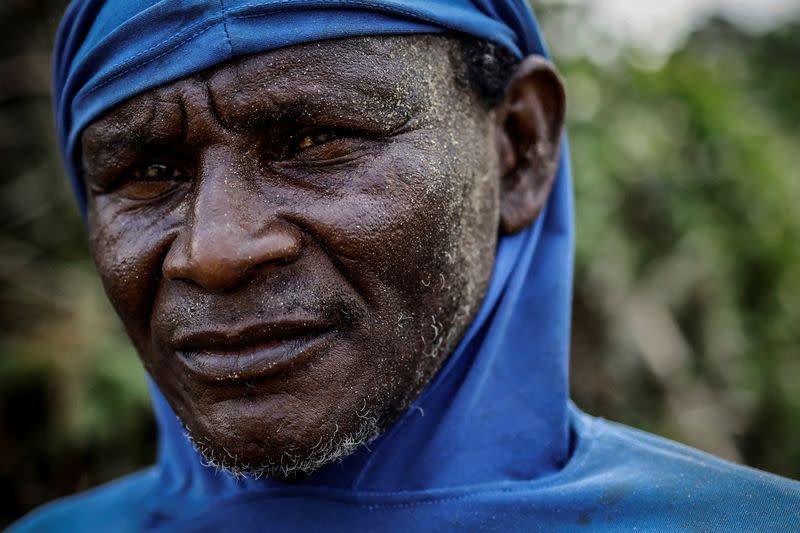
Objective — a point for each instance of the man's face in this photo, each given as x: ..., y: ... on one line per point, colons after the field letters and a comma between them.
x: 296, y: 240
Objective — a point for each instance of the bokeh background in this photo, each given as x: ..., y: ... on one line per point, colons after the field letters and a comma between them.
x: 685, y: 125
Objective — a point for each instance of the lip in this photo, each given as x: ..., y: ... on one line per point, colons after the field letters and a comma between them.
x: 255, y: 352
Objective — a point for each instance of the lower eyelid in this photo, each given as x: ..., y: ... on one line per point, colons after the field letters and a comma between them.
x: 166, y: 188
x: 344, y: 158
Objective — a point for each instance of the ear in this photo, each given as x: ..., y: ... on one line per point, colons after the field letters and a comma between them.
x: 530, y: 120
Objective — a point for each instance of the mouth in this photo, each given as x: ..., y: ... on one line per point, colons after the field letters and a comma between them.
x: 253, y: 353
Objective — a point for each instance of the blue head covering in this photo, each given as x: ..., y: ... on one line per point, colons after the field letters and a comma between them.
x: 493, y: 441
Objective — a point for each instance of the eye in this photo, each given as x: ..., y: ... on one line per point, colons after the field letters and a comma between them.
x: 157, y: 172
x: 325, y: 147
x: 153, y: 181
x: 315, y: 139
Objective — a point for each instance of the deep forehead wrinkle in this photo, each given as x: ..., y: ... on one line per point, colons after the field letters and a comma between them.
x: 366, y: 77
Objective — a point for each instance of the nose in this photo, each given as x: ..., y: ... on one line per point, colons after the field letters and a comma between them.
x: 230, y: 236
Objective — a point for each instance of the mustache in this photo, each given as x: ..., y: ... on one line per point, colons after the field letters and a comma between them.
x: 185, y: 309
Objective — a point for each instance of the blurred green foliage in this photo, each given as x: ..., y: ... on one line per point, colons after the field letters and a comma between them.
x: 687, y: 297
x: 687, y: 306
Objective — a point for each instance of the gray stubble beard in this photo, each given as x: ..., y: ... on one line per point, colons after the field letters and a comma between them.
x: 293, y: 464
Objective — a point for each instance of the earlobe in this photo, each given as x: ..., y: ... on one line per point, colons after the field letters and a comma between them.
x: 529, y: 124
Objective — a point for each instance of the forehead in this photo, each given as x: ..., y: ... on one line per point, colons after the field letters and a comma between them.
x: 373, y: 75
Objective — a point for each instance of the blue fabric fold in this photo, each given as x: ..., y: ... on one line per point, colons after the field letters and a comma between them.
x: 493, y: 442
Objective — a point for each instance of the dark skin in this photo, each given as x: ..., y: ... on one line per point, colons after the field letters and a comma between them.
x: 295, y: 241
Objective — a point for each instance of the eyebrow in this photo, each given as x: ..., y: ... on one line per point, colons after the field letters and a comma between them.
x: 146, y: 120
x: 249, y: 96
x: 114, y: 140
x: 154, y: 121
x: 357, y: 102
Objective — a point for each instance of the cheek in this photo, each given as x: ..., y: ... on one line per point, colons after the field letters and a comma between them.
x: 128, y: 249
x: 393, y: 223
x: 403, y: 232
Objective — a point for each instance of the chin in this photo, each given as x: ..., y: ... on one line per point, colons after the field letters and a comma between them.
x: 244, y: 442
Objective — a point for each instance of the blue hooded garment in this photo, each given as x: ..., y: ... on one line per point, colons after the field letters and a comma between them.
x: 493, y: 443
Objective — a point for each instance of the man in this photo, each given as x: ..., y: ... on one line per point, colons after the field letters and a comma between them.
x: 339, y: 234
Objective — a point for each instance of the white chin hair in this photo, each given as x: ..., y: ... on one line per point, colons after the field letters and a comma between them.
x: 291, y: 465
